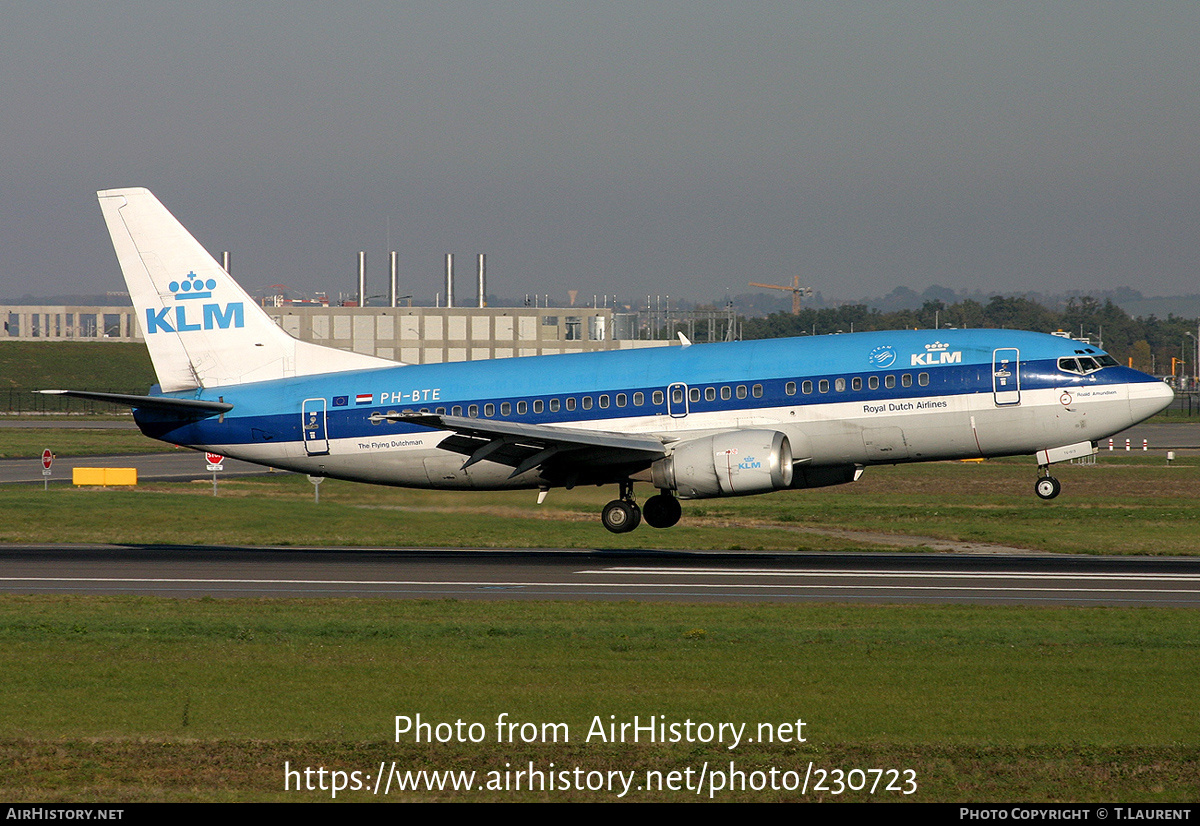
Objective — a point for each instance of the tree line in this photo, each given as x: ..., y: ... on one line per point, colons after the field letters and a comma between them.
x: 1149, y: 344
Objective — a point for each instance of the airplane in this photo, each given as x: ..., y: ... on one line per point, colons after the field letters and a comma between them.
x: 694, y: 421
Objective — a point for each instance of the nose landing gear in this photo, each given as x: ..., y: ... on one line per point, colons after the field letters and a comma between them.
x: 1047, y: 487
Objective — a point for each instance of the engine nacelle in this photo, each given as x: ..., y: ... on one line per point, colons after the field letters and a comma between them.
x: 737, y: 463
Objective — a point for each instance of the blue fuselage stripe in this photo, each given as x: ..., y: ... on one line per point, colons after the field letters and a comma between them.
x: 771, y: 365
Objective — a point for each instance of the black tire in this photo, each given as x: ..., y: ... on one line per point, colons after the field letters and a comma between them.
x: 662, y: 511
x: 620, y: 516
x: 1047, y: 487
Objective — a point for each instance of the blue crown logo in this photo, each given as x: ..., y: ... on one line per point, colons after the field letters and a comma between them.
x: 192, y: 287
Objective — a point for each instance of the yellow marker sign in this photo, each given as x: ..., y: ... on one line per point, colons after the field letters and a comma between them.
x: 104, y: 476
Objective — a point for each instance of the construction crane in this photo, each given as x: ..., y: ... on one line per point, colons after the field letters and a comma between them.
x: 796, y: 290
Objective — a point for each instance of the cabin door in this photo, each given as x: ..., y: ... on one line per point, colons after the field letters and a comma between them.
x: 1006, y: 376
x: 312, y: 425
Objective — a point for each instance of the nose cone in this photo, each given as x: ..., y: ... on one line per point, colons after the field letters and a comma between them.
x: 1148, y: 398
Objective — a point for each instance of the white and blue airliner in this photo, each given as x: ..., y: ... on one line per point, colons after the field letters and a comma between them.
x: 695, y: 422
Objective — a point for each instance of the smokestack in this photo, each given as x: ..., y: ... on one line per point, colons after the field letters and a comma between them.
x: 449, y: 279
x: 482, y: 281
x: 362, y: 279
x: 392, y: 281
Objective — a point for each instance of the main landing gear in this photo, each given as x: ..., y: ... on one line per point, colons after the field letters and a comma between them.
x: 1047, y: 487
x: 623, y: 515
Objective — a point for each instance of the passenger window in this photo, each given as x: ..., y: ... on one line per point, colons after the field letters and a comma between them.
x: 873, y: 382
x: 694, y: 394
x: 473, y: 411
x: 839, y: 385
x: 657, y: 397
x: 756, y: 391
x: 790, y: 388
x: 571, y: 403
x: 441, y: 411
x: 677, y: 395
x: 806, y: 388
x: 856, y: 383
x: 622, y: 399
x: 604, y: 402
x: 639, y: 399
x: 923, y: 379
x: 889, y: 382
x: 538, y: 406
x: 522, y: 408
x: 456, y: 410
x: 741, y: 391
x: 587, y: 402
x: 489, y: 410
x: 906, y: 380
x: 505, y: 409
x: 726, y: 393
x: 823, y: 385
x: 710, y: 394
x: 554, y: 405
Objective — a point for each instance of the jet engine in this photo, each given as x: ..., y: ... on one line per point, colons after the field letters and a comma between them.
x: 737, y: 463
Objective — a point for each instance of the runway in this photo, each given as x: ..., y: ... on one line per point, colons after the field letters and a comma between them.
x: 684, y: 576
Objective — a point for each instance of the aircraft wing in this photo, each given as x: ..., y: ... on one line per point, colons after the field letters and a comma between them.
x: 559, y: 451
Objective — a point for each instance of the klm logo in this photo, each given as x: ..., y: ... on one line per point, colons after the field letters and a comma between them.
x: 750, y: 463
x: 936, y: 353
x: 178, y: 319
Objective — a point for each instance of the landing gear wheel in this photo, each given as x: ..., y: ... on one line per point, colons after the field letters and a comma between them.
x: 1047, y: 487
x: 662, y: 511
x: 620, y: 516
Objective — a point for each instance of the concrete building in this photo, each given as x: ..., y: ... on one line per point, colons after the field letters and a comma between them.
x: 429, y: 335
x: 413, y: 335
x: 57, y: 323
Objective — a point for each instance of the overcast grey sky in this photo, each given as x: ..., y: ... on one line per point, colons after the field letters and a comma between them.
x: 613, y: 147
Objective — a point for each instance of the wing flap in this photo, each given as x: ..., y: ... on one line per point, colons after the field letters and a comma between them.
x: 524, y: 446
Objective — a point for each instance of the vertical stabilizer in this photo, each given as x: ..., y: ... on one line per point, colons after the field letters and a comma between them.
x: 202, y: 329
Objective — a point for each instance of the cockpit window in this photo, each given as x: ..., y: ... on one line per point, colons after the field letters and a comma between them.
x: 1085, y: 364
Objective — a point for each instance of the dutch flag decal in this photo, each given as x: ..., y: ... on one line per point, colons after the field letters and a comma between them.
x: 362, y: 398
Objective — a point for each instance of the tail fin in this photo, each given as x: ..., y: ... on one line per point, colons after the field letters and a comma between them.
x: 202, y: 329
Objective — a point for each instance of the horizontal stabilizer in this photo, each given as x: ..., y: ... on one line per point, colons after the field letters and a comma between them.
x: 146, y: 402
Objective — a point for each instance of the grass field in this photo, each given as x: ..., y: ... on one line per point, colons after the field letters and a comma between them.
x: 151, y: 699
x: 1156, y: 513
x: 142, y: 699
x: 26, y: 366
x: 67, y: 442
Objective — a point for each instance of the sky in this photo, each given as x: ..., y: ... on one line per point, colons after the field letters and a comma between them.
x: 614, y: 148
